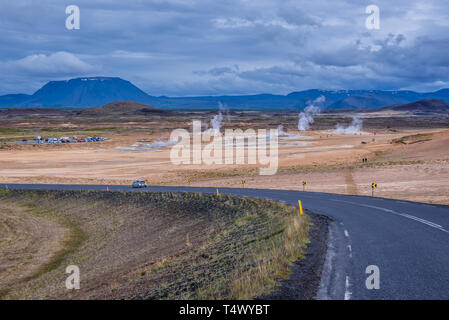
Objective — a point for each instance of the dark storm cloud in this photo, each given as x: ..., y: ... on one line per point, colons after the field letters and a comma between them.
x: 188, y: 47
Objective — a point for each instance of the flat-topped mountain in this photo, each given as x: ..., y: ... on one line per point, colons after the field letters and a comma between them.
x: 79, y: 92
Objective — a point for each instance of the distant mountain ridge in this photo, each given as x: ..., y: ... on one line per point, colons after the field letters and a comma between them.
x: 98, y: 91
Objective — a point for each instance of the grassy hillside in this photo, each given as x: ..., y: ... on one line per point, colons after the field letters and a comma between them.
x: 139, y: 245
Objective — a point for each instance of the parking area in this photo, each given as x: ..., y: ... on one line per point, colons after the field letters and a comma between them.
x: 74, y: 139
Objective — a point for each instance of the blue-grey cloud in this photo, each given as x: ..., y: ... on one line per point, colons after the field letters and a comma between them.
x: 195, y: 47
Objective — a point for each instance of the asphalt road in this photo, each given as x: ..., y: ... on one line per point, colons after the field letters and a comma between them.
x: 408, y: 242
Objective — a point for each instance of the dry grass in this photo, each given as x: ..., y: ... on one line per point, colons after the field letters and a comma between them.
x: 160, y: 245
x: 274, y: 260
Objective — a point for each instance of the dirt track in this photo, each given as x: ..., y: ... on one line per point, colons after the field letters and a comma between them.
x: 27, y: 242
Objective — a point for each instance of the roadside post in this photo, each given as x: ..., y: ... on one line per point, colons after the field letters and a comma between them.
x: 243, y: 183
x: 373, y: 186
x: 218, y: 192
x: 189, y: 180
x: 301, y: 211
x: 107, y: 188
x: 304, y: 186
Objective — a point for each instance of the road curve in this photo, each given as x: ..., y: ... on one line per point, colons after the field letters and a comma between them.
x: 407, y: 241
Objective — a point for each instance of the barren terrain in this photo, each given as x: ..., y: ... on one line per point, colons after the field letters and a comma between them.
x: 170, y: 246
x: 139, y: 245
x: 407, y: 155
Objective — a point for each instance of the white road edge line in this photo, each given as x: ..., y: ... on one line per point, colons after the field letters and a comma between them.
x: 429, y: 223
x: 348, y: 293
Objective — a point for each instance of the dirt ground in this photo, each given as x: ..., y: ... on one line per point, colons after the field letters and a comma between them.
x: 418, y: 171
x: 26, y: 243
x: 141, y: 245
x: 409, y: 163
x: 415, y: 168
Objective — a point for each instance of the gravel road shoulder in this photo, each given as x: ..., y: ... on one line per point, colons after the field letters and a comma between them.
x: 304, y: 281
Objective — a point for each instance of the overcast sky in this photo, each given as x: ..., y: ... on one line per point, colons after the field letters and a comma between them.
x: 189, y: 47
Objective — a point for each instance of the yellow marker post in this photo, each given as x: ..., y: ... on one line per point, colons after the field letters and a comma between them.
x: 304, y: 186
x: 107, y: 188
x: 243, y: 183
x: 301, y: 211
x: 189, y: 180
x: 373, y: 186
x: 218, y: 193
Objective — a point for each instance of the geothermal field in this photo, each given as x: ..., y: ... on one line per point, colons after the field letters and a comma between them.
x: 407, y: 156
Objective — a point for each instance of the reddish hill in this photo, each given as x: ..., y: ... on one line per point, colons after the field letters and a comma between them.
x: 122, y: 108
x: 426, y: 106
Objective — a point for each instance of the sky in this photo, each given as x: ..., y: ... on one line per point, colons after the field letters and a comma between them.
x: 215, y: 47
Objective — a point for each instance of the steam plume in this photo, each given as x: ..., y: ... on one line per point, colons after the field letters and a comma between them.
x: 281, y: 130
x: 305, y: 118
x: 216, y: 123
x: 354, y: 128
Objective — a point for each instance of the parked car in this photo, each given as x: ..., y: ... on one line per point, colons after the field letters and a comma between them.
x: 139, y: 184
